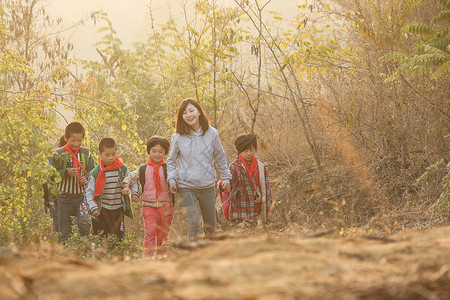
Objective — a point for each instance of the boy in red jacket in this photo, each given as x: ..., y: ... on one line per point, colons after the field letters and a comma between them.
x: 250, y: 197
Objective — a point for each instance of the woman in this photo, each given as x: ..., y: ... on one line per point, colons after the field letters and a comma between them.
x: 195, y: 147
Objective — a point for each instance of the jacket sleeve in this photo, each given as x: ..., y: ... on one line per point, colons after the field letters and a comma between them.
x: 172, y: 160
x: 57, y: 163
x: 89, y: 193
x: 221, y: 159
x: 233, y: 182
x: 132, y: 179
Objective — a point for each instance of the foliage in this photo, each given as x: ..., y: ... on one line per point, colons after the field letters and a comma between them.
x: 28, y: 121
x: 322, y: 84
x: 117, y: 96
x: 102, y: 248
x: 431, y: 51
x: 25, y: 150
x: 32, y: 35
x: 200, y: 57
x: 443, y: 202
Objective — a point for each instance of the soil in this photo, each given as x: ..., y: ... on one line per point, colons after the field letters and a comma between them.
x: 246, y: 264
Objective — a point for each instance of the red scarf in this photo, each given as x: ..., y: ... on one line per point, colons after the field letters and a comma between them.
x: 76, y: 162
x: 156, y: 177
x: 100, y: 181
x: 253, y: 172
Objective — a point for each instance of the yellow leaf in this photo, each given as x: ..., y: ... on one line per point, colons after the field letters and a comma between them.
x: 124, y: 127
x: 333, y: 202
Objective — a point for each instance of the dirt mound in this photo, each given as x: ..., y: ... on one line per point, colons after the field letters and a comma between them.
x: 412, y: 265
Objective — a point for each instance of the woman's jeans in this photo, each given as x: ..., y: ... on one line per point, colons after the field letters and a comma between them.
x: 206, y: 199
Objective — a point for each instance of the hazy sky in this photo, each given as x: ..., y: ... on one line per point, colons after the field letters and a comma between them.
x: 130, y: 18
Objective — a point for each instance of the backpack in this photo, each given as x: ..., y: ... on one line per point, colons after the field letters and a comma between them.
x: 226, y: 197
x: 225, y: 200
x: 142, y: 170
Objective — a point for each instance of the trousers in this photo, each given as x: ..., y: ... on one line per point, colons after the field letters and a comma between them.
x: 206, y: 200
x: 157, y: 222
x: 72, y: 206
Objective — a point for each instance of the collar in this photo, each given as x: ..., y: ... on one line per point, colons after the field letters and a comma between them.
x: 198, y: 133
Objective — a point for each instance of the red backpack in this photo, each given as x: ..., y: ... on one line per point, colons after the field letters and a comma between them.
x: 225, y: 197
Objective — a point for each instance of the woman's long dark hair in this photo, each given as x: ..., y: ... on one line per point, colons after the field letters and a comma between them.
x: 181, y: 126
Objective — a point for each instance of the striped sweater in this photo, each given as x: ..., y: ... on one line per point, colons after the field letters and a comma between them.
x: 111, y: 197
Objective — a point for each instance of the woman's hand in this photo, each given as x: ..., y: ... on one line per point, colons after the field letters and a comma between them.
x: 173, y: 188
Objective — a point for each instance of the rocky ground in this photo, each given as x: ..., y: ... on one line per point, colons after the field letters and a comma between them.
x: 255, y: 265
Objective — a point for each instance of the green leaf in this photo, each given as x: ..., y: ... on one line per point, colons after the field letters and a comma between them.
x: 418, y: 28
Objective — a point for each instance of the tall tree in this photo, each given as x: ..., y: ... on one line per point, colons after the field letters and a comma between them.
x: 207, y: 44
x: 32, y: 65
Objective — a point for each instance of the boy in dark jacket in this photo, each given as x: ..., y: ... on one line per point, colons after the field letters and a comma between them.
x: 73, y: 162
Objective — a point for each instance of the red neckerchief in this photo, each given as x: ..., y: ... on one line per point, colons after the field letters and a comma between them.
x: 156, y: 177
x: 253, y: 172
x: 100, y: 181
x: 76, y: 162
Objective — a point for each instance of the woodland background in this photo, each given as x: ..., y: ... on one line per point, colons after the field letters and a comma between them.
x: 349, y: 99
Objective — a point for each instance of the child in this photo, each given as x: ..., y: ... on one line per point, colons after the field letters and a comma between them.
x: 157, y: 210
x: 104, y: 192
x: 50, y: 201
x: 72, y: 162
x: 195, y: 148
x: 250, y: 189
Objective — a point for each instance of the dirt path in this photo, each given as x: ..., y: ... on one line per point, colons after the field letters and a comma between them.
x: 412, y: 265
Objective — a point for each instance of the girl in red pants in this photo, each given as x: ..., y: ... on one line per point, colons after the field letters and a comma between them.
x: 157, y: 201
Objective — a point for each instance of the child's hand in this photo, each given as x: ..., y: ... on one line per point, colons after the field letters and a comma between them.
x: 173, y: 188
x: 134, y: 198
x: 96, y: 213
x: 126, y: 190
x: 226, y: 187
x: 83, y: 180
x: 72, y: 171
